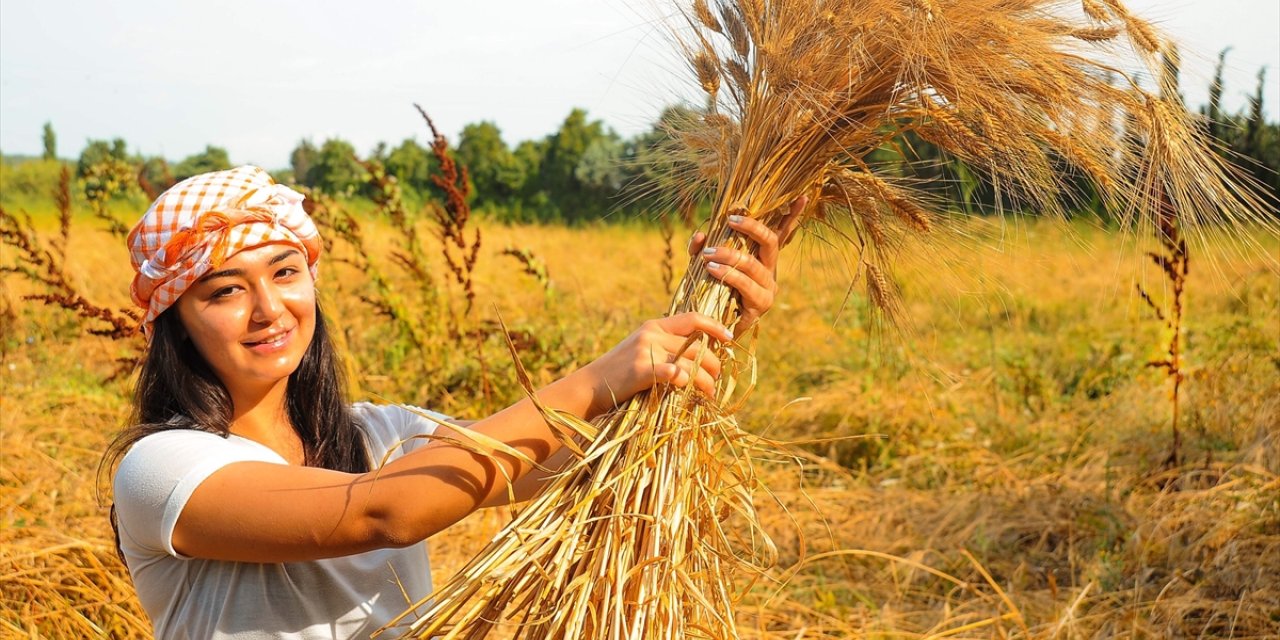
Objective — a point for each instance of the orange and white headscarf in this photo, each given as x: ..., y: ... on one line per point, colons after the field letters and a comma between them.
x: 198, y: 223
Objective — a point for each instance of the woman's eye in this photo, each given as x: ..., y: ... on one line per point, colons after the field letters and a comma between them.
x: 287, y: 272
x: 224, y: 292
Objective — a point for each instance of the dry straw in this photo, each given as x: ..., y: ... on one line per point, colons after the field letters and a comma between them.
x: 652, y: 532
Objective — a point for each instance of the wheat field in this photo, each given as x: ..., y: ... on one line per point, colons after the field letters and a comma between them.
x: 1009, y: 478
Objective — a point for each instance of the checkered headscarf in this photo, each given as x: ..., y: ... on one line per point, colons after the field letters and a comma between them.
x: 203, y: 220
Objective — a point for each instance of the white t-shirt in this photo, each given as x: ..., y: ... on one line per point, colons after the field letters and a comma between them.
x: 192, y: 598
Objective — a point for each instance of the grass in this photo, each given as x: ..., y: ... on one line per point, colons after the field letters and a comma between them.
x: 1013, y: 430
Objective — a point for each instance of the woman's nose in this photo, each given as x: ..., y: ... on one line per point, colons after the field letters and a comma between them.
x: 268, y: 303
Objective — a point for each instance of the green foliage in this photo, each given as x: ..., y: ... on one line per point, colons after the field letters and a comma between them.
x: 107, y: 170
x: 335, y: 170
x: 50, y: 141
x: 211, y: 159
x: 412, y: 165
x: 584, y: 171
x: 571, y: 198
x: 600, y: 169
x: 155, y: 176
x: 496, y: 175
x: 334, y: 167
x: 1213, y: 110
x: 302, y: 159
x: 30, y: 179
x: 649, y: 163
x: 98, y: 152
x: 1246, y: 137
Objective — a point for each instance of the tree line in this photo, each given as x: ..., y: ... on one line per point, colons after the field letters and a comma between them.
x: 575, y: 174
x: 585, y: 171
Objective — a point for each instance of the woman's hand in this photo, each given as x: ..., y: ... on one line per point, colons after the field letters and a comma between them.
x: 753, y: 276
x: 656, y: 353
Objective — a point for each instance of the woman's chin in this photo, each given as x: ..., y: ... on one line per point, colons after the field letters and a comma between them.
x: 266, y: 369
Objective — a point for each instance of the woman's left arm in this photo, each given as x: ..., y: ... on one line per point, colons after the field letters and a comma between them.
x: 526, y: 486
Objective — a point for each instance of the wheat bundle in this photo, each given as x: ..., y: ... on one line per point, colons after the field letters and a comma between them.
x: 652, y: 531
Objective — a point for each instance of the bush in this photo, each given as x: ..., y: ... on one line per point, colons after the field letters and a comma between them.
x: 28, y: 178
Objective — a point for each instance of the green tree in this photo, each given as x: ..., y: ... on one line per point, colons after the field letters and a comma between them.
x: 649, y: 166
x: 411, y: 164
x: 1246, y: 138
x: 211, y: 159
x: 156, y: 173
x: 98, y: 152
x: 558, y: 171
x: 50, y: 142
x: 532, y: 203
x: 528, y: 156
x: 1259, y: 141
x: 335, y: 170
x: 107, y: 170
x: 1255, y: 124
x: 1213, y: 111
x: 496, y: 175
x: 600, y: 170
x: 302, y: 159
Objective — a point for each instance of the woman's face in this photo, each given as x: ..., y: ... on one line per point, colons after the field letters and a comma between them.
x: 253, y: 317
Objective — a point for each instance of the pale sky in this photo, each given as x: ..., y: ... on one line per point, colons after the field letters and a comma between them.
x: 256, y: 77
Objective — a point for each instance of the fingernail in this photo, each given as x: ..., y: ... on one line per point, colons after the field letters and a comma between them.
x: 735, y: 219
x: 728, y: 334
x: 714, y: 266
x: 708, y: 251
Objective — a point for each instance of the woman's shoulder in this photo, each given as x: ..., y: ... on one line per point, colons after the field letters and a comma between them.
x: 171, y: 442
x: 158, y: 474
x: 389, y: 426
x: 396, y: 415
x: 176, y: 450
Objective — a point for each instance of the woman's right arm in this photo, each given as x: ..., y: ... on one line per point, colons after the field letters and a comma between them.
x: 262, y: 512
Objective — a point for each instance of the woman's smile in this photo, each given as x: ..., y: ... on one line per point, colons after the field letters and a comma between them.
x: 272, y: 343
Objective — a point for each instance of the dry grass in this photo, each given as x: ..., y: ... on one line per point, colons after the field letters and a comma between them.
x: 1019, y: 425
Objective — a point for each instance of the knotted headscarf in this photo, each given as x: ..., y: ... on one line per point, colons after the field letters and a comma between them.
x: 198, y: 223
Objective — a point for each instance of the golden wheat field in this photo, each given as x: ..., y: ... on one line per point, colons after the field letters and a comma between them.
x: 1010, y: 478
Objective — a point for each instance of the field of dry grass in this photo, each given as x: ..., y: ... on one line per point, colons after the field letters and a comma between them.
x: 1010, y: 482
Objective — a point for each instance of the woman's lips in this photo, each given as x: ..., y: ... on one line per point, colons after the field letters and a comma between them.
x: 272, y: 344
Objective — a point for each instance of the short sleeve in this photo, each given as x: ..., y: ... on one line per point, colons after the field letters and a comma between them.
x: 396, y: 428
x: 161, y: 471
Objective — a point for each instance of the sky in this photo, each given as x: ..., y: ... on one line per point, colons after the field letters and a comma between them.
x: 256, y: 77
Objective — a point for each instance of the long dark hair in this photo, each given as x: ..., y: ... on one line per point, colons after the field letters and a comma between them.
x: 178, y: 390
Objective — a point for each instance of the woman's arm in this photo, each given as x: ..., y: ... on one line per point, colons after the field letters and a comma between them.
x: 262, y: 512
x: 527, y: 485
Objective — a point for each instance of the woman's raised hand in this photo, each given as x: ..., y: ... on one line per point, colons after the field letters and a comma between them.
x: 656, y: 353
x: 752, y: 275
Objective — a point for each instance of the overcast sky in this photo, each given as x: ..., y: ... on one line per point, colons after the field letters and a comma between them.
x: 256, y: 77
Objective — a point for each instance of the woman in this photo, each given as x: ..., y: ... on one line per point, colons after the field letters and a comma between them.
x: 247, y: 501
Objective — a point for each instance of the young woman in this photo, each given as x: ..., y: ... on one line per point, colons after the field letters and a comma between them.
x: 247, y: 502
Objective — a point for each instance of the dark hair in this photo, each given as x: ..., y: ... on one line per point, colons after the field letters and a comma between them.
x: 177, y: 389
